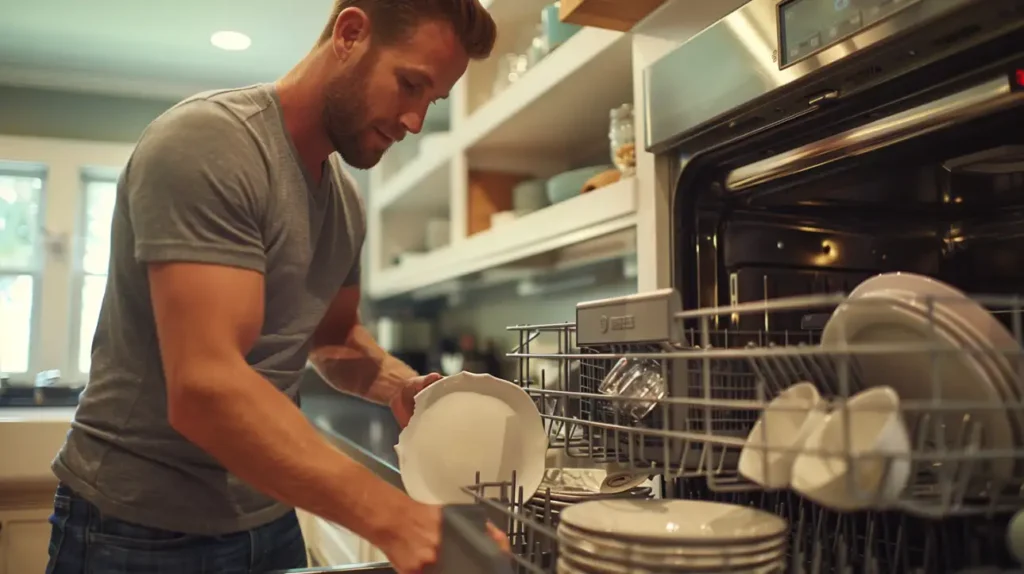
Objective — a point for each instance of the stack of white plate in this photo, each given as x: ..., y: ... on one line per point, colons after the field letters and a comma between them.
x: 897, y: 309
x: 640, y: 536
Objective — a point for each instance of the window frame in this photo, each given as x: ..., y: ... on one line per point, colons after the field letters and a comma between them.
x: 41, y: 253
x: 78, y: 272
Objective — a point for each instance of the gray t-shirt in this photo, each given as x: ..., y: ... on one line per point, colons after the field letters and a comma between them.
x: 216, y: 179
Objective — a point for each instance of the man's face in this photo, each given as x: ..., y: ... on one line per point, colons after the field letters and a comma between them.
x: 385, y: 91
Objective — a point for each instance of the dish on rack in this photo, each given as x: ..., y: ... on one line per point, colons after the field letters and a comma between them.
x: 674, y: 521
x: 779, y: 434
x: 857, y: 457
x: 565, y: 566
x: 894, y: 309
x: 467, y: 424
x: 564, y: 487
x: 615, y: 536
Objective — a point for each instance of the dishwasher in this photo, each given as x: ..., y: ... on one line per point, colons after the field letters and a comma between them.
x: 811, y: 145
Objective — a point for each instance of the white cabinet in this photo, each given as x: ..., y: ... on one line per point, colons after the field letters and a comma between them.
x: 24, y: 538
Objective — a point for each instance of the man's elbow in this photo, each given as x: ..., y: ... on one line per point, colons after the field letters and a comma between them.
x: 193, y: 400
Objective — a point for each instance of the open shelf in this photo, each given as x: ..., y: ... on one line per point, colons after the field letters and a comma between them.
x: 583, y: 218
x: 423, y: 185
x: 561, y: 103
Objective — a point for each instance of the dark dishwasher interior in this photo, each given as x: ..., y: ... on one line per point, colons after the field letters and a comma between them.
x: 949, y: 205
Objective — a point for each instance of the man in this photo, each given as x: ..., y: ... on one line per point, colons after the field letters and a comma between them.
x: 234, y: 258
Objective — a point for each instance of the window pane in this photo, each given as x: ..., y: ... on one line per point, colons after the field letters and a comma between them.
x: 99, y: 210
x: 92, y: 299
x: 19, y: 220
x: 16, y: 318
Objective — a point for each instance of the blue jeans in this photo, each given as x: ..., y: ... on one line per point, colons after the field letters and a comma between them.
x: 84, y: 541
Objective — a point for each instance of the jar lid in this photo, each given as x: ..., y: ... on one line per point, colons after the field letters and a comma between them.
x: 625, y: 110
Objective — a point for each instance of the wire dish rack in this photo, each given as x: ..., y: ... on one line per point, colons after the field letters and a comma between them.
x: 963, y: 463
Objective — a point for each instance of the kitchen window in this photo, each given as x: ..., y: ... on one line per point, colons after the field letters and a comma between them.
x: 91, y: 274
x: 21, y: 262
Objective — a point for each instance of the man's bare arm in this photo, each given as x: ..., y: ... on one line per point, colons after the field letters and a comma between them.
x: 350, y: 360
x: 208, y: 317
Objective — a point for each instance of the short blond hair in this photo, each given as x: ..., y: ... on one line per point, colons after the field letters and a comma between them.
x: 395, y: 20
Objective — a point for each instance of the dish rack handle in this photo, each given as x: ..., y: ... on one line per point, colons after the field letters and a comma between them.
x: 466, y: 548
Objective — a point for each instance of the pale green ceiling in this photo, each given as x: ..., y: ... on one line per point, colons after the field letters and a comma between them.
x: 150, y: 47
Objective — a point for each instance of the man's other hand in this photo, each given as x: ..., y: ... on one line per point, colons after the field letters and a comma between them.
x: 403, y: 403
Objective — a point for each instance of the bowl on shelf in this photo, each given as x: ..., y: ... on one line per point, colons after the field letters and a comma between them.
x: 529, y: 196
x: 571, y: 183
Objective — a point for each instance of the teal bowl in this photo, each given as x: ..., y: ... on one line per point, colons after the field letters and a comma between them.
x: 570, y: 184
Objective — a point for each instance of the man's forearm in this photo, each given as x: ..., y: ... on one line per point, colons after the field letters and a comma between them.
x: 259, y: 435
x: 360, y: 367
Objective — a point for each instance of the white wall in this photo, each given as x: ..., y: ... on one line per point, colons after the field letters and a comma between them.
x: 65, y: 161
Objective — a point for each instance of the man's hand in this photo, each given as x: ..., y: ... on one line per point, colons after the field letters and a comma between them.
x: 416, y: 538
x: 402, y: 404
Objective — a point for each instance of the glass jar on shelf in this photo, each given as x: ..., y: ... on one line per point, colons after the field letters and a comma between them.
x: 621, y: 135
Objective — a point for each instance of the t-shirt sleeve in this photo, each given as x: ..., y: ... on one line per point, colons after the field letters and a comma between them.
x: 351, y: 189
x: 197, y: 188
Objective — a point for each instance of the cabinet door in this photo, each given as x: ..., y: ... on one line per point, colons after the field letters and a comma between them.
x: 23, y: 546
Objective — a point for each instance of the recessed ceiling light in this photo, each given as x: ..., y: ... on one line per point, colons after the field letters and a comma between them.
x: 233, y: 41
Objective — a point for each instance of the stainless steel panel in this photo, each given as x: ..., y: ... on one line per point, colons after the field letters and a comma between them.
x: 646, y: 317
x: 963, y: 106
x: 736, y: 60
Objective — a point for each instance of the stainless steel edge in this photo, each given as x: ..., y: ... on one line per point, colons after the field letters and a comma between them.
x: 361, y: 455
x: 963, y: 106
x: 736, y: 60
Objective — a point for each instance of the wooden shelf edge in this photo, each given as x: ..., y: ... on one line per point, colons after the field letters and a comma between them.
x: 580, y: 219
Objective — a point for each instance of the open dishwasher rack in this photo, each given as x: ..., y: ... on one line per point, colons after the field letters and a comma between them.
x: 954, y: 515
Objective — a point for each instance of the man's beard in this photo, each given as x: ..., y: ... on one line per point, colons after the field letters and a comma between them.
x: 346, y: 114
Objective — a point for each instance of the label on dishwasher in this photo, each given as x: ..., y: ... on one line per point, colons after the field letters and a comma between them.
x: 642, y: 318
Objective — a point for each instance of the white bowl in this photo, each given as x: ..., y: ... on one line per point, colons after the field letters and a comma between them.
x: 467, y: 424
x: 859, y: 456
x: 768, y: 455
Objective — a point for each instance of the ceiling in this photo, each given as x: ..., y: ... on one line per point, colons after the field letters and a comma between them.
x: 147, y: 48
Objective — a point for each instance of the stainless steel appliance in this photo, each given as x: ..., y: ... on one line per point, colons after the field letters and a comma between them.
x: 816, y: 143
x: 827, y: 140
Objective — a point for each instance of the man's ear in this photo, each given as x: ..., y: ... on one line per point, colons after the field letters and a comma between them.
x: 351, y: 27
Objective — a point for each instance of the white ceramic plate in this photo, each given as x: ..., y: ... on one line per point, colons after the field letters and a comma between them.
x: 955, y: 309
x: 629, y: 564
x: 673, y: 521
x: 568, y: 566
x: 673, y: 554
x: 989, y: 341
x: 891, y: 309
x: 470, y: 423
